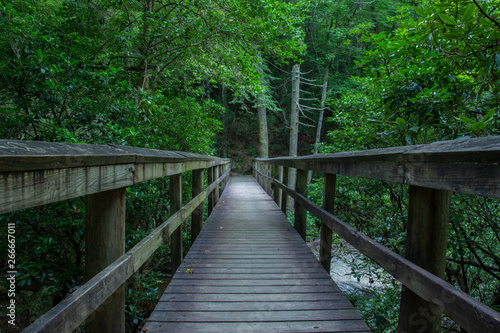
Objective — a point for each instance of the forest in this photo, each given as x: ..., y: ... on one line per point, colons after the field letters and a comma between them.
x: 246, y: 79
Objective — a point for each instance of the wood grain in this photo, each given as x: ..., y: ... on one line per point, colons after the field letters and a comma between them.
x: 470, y: 166
x: 250, y: 270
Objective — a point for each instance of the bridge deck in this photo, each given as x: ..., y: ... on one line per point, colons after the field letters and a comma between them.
x: 249, y: 270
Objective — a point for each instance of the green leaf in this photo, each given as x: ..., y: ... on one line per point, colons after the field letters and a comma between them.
x: 467, y: 120
x: 497, y: 60
x: 447, y: 19
x: 469, y: 11
x: 420, y: 11
x: 400, y: 121
x: 489, y: 115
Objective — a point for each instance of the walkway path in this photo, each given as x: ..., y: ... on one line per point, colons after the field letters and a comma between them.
x: 249, y: 271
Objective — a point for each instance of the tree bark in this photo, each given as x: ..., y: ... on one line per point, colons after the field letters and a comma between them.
x: 324, y: 90
x: 294, y: 125
x: 263, y: 133
x: 224, y: 122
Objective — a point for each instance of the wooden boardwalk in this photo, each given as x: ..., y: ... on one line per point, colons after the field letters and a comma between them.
x: 249, y: 271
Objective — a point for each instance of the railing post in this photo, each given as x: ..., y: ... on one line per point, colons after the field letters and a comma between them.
x: 211, y: 201
x: 426, y: 244
x: 104, y: 243
x: 277, y: 190
x: 176, y: 205
x: 325, y: 247
x: 301, y: 212
x: 284, y: 195
x: 197, y: 216
x: 217, y: 192
x: 269, y: 173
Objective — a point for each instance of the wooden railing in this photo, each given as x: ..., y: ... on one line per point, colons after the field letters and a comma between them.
x: 37, y: 173
x: 432, y: 171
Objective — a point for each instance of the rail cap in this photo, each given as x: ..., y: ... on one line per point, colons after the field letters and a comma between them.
x: 18, y: 155
x: 476, y: 150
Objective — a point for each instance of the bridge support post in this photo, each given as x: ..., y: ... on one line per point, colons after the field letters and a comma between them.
x: 211, y: 201
x: 277, y: 191
x: 104, y: 243
x: 176, y: 205
x: 217, y: 192
x: 325, y: 247
x: 284, y: 195
x: 197, y: 216
x: 426, y: 244
x: 301, y: 212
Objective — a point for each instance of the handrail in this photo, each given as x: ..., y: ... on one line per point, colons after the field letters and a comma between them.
x: 36, y: 173
x: 458, y: 162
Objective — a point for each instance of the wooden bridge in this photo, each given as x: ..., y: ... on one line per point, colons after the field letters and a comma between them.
x: 249, y: 269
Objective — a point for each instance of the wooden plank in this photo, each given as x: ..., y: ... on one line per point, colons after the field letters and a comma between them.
x: 302, y: 326
x: 285, y: 298
x: 252, y: 316
x: 251, y: 282
x: 248, y: 306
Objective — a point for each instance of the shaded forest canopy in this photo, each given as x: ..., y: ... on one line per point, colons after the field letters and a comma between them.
x: 217, y: 77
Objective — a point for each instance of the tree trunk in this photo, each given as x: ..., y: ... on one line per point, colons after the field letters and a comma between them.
x: 294, y: 125
x: 263, y: 134
x: 224, y: 122
x: 321, y: 114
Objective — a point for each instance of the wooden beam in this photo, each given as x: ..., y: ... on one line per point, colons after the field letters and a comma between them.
x: 426, y: 245
x: 175, y: 206
x: 284, y: 194
x: 216, y: 192
x: 300, y: 211
x: 277, y: 190
x: 325, y: 247
x: 211, y: 195
x: 104, y: 243
x: 197, y: 216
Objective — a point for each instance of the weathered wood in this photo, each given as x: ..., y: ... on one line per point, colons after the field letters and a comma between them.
x: 73, y: 310
x: 300, y: 211
x: 20, y: 190
x: 104, y: 243
x: 470, y: 166
x: 466, y: 311
x: 211, y: 195
x: 233, y: 263
x: 18, y: 155
x: 176, y: 247
x: 325, y: 246
x: 217, y: 190
x: 295, y: 326
x: 277, y: 190
x: 426, y: 245
x: 197, y: 216
x: 32, y: 171
x: 284, y: 195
